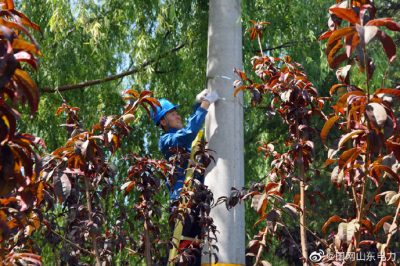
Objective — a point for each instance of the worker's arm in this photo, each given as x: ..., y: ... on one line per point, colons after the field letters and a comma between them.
x: 205, y: 105
x: 205, y: 98
x: 184, y: 137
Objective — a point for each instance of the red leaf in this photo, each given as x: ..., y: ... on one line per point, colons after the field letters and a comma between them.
x: 33, y: 139
x: 17, y: 26
x: 331, y: 50
x: 145, y: 93
x: 378, y: 168
x: 367, y: 242
x: 26, y: 21
x: 335, y: 62
x: 350, y: 135
x: 367, y: 223
x: 39, y: 193
x: 328, y: 162
x: 253, y: 33
x: 367, y: 7
x: 20, y: 44
x: 387, y: 22
x: 9, y: 4
x: 325, y: 35
x: 349, y: 156
x: 26, y: 57
x: 262, y: 204
x: 327, y: 127
x: 388, y: 45
x: 9, y: 118
x: 132, y: 92
x: 387, y: 91
x: 381, y: 222
x: 332, y: 219
x: 241, y: 74
x: 270, y: 186
x: 128, y: 186
x: 394, y: 147
x: 340, y: 33
x: 27, y: 258
x: 29, y: 87
x: 346, y: 14
x: 351, y: 43
x: 238, y: 89
x: 335, y: 87
x: 6, y: 201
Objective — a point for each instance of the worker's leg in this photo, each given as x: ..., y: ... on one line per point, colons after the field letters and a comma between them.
x: 191, y: 237
x: 191, y: 233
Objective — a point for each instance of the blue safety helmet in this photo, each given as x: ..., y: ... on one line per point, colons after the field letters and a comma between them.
x: 165, y: 107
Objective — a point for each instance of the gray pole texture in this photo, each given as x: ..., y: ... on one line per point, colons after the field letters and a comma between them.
x: 224, y: 127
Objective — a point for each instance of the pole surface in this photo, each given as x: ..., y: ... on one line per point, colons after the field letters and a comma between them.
x: 224, y: 127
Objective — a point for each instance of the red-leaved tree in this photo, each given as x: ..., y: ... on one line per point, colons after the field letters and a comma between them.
x: 367, y: 151
x: 21, y: 189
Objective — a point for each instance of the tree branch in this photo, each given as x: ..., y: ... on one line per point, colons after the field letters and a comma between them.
x: 72, y: 243
x: 283, y: 45
x: 134, y: 70
x: 89, y: 206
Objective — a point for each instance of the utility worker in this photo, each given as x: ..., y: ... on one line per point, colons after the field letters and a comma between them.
x: 176, y: 135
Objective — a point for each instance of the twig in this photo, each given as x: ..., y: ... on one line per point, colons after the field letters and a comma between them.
x: 89, y: 206
x: 303, y: 233
x: 294, y: 241
x: 392, y: 230
x: 385, y: 75
x: 72, y: 243
x: 284, y: 45
x: 135, y: 70
x: 262, y: 245
x: 147, y: 244
x: 260, y: 45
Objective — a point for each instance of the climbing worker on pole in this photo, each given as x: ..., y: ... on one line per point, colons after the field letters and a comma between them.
x: 179, y: 136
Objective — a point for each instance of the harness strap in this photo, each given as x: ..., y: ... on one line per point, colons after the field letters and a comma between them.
x: 177, y: 235
x: 186, y: 243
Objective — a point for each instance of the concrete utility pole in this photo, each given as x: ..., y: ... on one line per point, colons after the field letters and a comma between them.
x: 224, y: 127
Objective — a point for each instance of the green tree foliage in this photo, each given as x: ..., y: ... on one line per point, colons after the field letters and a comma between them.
x: 88, y: 40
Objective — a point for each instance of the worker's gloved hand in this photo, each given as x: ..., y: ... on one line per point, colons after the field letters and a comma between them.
x: 211, y: 97
x: 200, y: 96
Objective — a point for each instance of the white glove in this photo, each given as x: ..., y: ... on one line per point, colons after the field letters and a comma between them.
x: 211, y: 97
x: 200, y: 96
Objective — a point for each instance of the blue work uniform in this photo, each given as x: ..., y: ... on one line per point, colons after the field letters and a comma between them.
x: 181, y: 138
